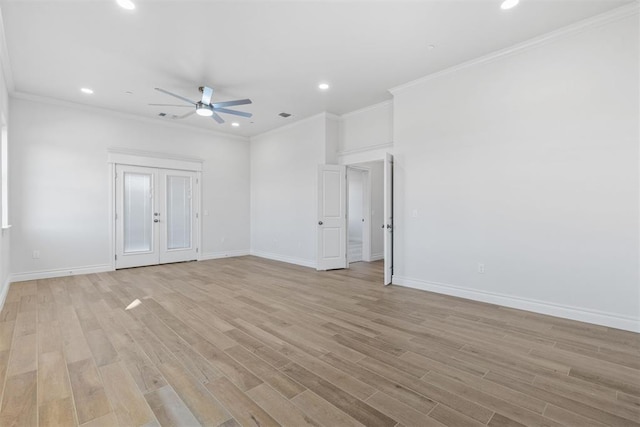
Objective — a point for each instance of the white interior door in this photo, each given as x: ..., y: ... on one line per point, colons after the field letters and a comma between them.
x: 156, y: 216
x: 332, y: 217
x: 388, y: 218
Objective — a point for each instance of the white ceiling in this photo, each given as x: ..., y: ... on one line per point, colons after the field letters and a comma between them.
x: 274, y: 52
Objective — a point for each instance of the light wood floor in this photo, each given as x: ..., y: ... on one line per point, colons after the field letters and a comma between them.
x: 246, y: 341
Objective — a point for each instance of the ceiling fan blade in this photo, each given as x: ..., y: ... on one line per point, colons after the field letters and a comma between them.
x: 184, y: 115
x: 231, y: 103
x: 217, y: 118
x: 175, y: 96
x: 207, y: 93
x: 234, y: 112
x: 171, y: 105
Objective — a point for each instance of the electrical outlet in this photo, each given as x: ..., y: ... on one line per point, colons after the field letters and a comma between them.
x: 481, y: 268
x: 36, y: 254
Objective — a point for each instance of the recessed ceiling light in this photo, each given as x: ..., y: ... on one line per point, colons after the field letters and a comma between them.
x: 323, y: 86
x: 235, y: 124
x: 87, y: 90
x: 126, y: 4
x: 508, y: 4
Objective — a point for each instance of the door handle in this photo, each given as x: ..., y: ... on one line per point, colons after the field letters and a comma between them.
x: 156, y: 220
x: 320, y: 223
x: 388, y: 226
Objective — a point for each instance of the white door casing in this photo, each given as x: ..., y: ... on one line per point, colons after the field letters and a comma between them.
x: 388, y: 218
x: 332, y: 217
x: 156, y: 216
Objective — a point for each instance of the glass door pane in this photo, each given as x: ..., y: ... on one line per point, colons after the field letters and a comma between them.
x: 137, y: 212
x: 178, y: 212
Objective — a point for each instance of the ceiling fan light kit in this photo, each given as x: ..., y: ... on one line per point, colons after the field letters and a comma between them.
x: 203, y: 110
x: 206, y: 108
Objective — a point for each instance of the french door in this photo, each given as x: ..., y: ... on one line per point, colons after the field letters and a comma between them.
x: 156, y: 216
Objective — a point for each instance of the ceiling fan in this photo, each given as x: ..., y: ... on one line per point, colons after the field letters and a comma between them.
x: 205, y: 107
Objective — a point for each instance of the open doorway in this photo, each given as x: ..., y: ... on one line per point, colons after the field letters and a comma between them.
x: 372, y: 212
x: 365, y: 190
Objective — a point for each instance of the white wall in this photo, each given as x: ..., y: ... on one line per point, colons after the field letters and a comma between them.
x: 365, y: 129
x: 284, y: 165
x: 528, y: 164
x: 60, y: 183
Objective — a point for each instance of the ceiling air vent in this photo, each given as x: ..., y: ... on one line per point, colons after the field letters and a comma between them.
x: 162, y: 114
x: 285, y: 115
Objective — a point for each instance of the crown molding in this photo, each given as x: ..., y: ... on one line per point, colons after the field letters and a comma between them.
x: 365, y: 149
x: 332, y: 116
x: 593, y: 22
x: 113, y: 113
x: 367, y: 108
x: 154, y: 154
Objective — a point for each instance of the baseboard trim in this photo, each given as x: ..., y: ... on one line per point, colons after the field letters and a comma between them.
x: 61, y: 272
x: 377, y: 257
x: 223, y: 254
x: 541, y: 307
x: 4, y: 291
x: 291, y: 260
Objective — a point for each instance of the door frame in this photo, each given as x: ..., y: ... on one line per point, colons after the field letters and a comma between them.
x: 129, y: 157
x: 365, y: 157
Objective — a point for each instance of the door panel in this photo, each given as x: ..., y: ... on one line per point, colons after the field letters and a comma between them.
x: 178, y: 242
x: 388, y: 218
x: 156, y: 218
x: 332, y: 221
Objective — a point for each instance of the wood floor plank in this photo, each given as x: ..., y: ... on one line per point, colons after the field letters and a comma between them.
x: 169, y: 409
x: 322, y: 411
x: 53, y: 381
x: 388, y: 386
x: 24, y: 356
x: 356, y: 408
x: 6, y: 334
x: 20, y: 401
x: 57, y: 413
x: 108, y: 420
x: 281, y: 409
x: 243, y: 409
x: 267, y: 373
x: 200, y: 402
x: 103, y: 351
x: 401, y: 412
x: 88, y: 392
x: 127, y: 401
x: 452, y: 400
